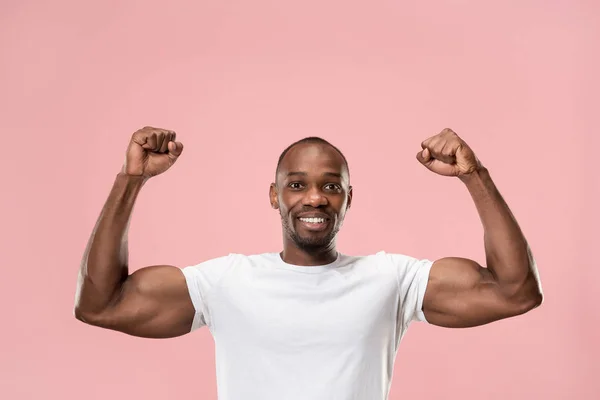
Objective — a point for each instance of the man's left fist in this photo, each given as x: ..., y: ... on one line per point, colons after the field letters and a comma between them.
x: 447, y: 154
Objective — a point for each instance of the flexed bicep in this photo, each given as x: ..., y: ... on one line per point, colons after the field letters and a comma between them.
x: 461, y: 293
x: 153, y: 302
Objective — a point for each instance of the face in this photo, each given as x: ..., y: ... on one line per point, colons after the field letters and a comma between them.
x: 312, y: 194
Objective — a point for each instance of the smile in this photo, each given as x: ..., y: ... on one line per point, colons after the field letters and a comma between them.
x: 313, y: 220
x: 314, y: 224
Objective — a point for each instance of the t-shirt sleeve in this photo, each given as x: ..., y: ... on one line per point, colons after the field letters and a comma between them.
x: 413, y: 275
x: 201, y: 279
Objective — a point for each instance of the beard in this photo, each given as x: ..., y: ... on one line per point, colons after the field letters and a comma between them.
x: 310, y: 242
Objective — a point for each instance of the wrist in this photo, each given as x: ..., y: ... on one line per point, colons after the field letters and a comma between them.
x: 477, y: 176
x: 132, y: 179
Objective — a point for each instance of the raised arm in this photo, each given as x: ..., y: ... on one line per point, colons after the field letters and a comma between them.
x: 460, y: 292
x: 153, y: 301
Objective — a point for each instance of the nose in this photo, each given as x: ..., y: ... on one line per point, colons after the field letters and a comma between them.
x: 315, y: 198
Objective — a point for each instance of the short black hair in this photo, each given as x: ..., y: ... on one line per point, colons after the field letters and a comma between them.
x: 310, y: 139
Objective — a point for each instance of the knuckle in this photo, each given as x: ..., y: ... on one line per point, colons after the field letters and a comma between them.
x: 143, y: 132
x: 138, y: 134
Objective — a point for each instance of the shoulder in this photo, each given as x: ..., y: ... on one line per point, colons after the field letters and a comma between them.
x: 401, y: 261
x: 231, y: 261
x: 384, y: 259
x: 404, y: 267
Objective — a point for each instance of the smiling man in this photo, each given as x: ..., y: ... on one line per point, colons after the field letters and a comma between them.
x: 308, y: 322
x: 312, y: 192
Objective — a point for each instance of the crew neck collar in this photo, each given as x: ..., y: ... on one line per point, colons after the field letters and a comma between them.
x: 307, y: 269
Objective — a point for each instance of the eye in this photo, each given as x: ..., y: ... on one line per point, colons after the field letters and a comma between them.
x: 295, y: 185
x: 334, y: 187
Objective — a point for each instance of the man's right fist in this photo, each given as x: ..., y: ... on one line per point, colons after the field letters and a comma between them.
x: 151, y: 152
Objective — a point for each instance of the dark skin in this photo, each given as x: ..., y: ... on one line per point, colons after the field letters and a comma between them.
x: 312, y: 183
x: 153, y: 301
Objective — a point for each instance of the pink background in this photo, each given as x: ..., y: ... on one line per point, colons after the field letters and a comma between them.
x: 240, y: 80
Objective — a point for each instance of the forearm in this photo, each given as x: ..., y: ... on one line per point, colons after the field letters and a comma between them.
x: 508, y: 256
x: 105, y: 262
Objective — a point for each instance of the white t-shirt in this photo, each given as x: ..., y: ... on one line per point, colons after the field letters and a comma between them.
x: 289, y: 332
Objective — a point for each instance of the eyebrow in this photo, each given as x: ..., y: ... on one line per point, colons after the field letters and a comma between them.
x: 334, y: 174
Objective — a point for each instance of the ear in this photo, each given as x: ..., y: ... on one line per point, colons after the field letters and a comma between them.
x: 273, y: 196
x: 350, y: 194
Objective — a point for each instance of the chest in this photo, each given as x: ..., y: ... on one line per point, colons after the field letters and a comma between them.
x: 289, y: 311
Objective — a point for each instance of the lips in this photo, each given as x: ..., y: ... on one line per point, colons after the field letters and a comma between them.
x: 314, y: 222
x: 313, y: 215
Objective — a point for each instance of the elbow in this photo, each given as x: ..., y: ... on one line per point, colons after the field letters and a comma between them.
x: 529, y: 296
x: 87, y: 317
x: 90, y: 308
x: 538, y: 297
x: 532, y: 301
x: 82, y: 315
x: 534, y: 290
x: 533, y: 286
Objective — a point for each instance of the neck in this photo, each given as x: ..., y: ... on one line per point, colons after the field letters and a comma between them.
x: 292, y: 254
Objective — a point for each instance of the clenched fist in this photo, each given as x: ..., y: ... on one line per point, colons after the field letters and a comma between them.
x: 151, y: 152
x: 447, y: 154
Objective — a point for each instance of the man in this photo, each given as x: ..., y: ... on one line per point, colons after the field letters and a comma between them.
x: 309, y: 322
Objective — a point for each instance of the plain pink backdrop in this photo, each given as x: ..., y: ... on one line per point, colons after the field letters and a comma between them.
x: 239, y: 81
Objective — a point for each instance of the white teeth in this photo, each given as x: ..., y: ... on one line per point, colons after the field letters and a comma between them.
x: 313, y: 220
